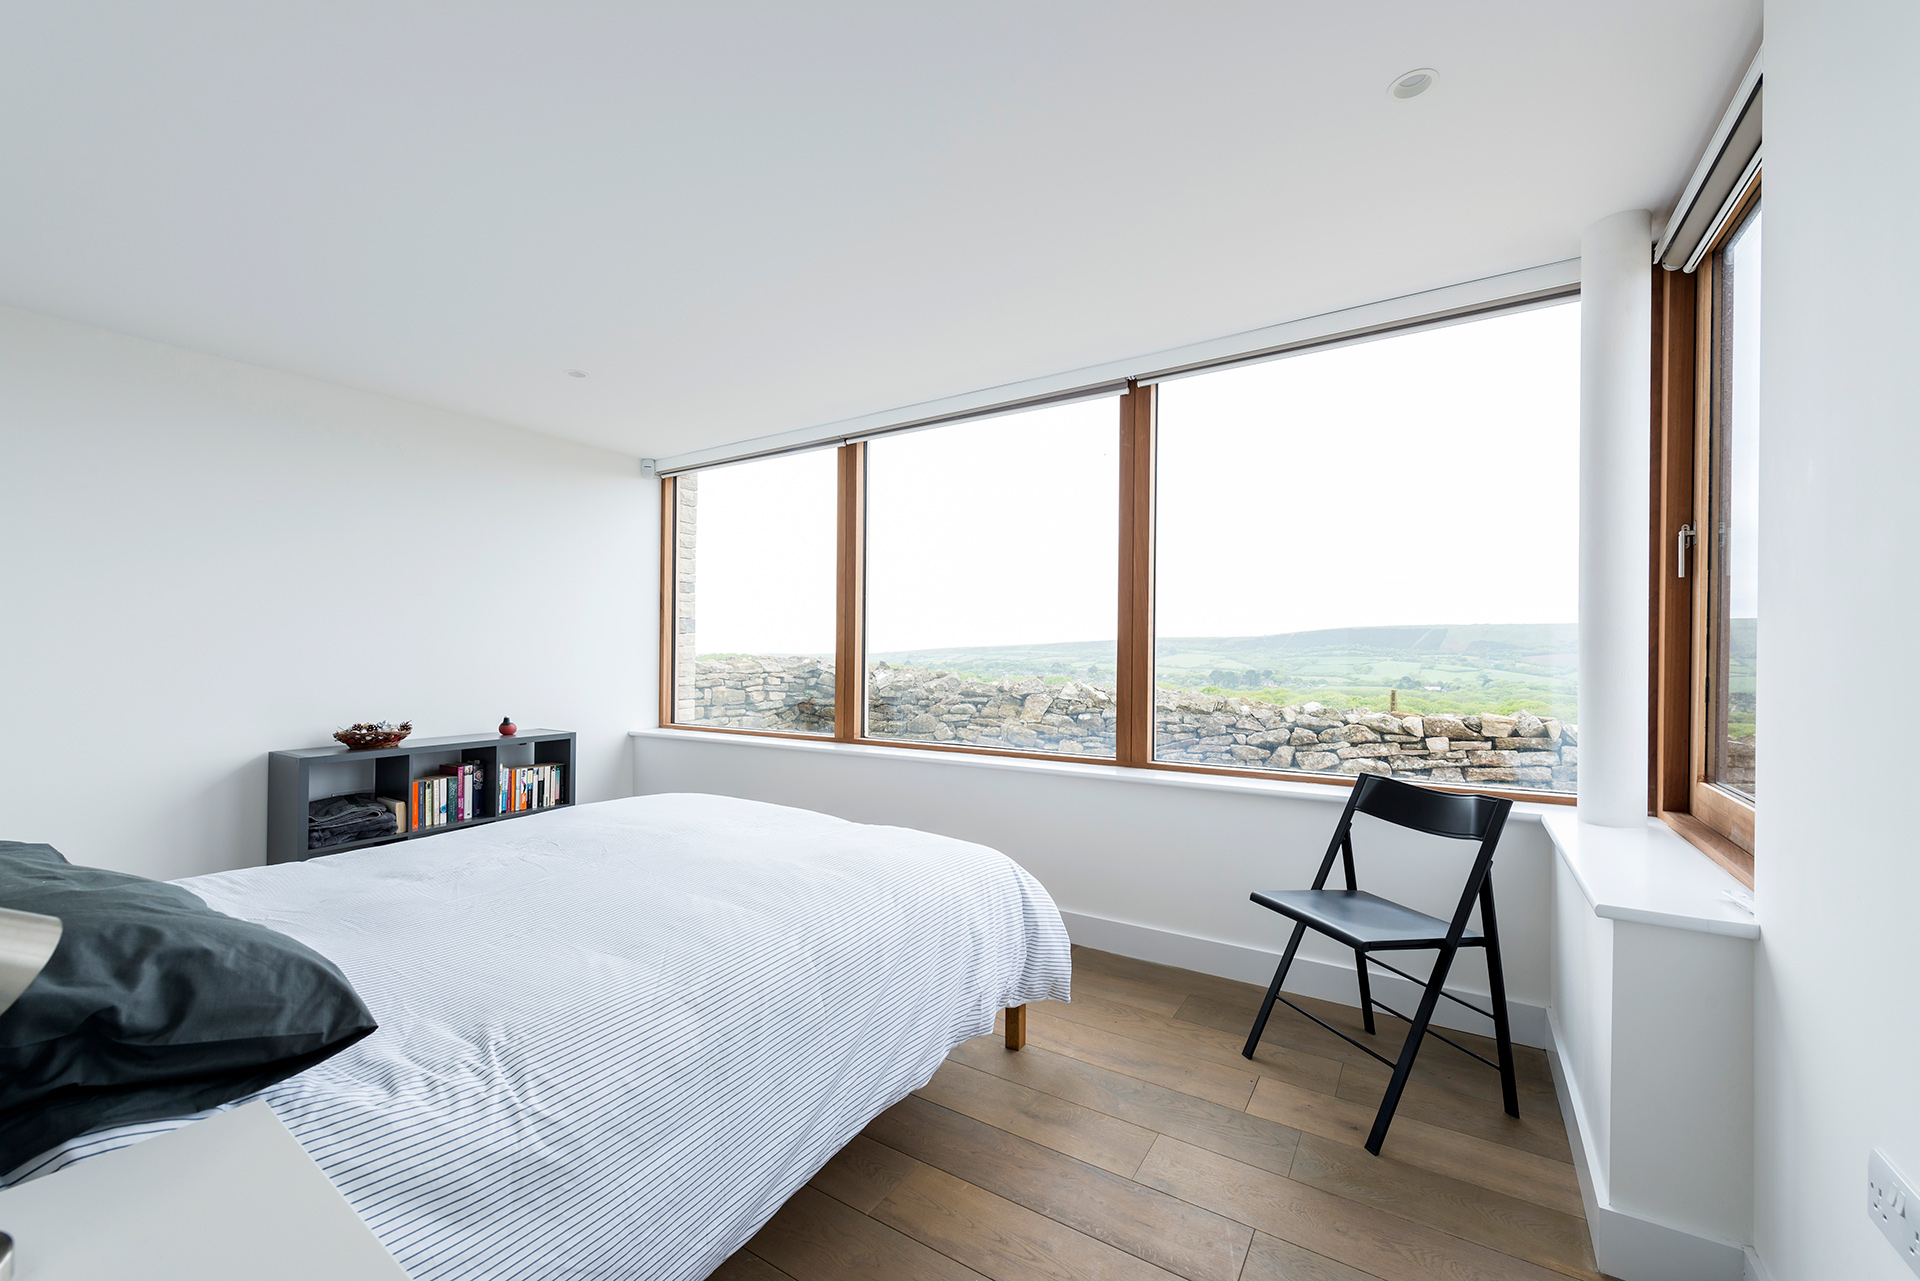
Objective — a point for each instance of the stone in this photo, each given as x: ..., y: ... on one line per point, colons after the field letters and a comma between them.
x: 1554, y: 728
x: 1447, y: 727
x: 1334, y: 734
x: 1526, y: 774
x: 1492, y: 726
x: 1520, y: 744
x: 1493, y: 775
x: 1570, y: 733
x: 1269, y: 741
x: 1415, y: 725
x: 1303, y: 738
x: 1473, y: 745
x: 1438, y: 745
x: 1446, y: 774
x: 1569, y: 756
x: 1367, y: 766
x: 1401, y: 738
x: 1317, y: 760
x: 1035, y: 705
x: 1490, y: 759
x: 1412, y: 764
x: 1527, y: 725
x: 1360, y: 734
x: 1247, y: 753
x: 1282, y: 758
x: 1378, y: 722
x: 1549, y: 759
x: 1359, y: 751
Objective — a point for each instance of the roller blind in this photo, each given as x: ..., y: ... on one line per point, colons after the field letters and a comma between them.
x: 1729, y: 163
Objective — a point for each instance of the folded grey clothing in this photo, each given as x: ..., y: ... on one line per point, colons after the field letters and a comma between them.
x: 320, y: 838
x: 337, y: 811
x: 336, y: 820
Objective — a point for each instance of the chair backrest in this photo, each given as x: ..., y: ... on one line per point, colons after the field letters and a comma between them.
x: 1461, y: 815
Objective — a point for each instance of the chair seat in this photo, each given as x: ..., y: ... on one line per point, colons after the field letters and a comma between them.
x: 1362, y: 920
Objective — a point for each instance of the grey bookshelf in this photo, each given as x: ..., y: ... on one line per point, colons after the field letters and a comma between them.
x: 306, y: 774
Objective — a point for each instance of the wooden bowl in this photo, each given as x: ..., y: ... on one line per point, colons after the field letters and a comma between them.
x: 368, y: 738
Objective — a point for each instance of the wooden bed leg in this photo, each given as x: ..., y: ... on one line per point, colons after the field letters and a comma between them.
x: 1016, y: 1027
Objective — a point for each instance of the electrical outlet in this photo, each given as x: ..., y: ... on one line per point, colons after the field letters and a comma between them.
x: 1893, y: 1208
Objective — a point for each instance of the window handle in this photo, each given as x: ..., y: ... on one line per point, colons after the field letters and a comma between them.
x: 1682, y: 541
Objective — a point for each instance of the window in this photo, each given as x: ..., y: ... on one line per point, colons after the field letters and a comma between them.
x: 1359, y: 557
x: 991, y: 578
x: 1733, y: 498
x: 1368, y: 557
x: 753, y: 560
x: 1704, y: 556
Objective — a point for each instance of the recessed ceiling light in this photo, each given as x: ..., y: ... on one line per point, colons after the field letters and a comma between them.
x: 1413, y: 84
x: 576, y: 373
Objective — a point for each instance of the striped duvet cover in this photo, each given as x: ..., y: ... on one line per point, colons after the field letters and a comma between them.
x: 615, y: 1038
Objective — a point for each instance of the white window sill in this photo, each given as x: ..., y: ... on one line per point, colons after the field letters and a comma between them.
x: 1649, y: 875
x: 1523, y: 811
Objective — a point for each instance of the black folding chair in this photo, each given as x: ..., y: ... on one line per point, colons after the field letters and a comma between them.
x: 1367, y: 924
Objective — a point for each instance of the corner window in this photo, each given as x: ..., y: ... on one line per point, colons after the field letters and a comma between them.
x: 1705, y: 555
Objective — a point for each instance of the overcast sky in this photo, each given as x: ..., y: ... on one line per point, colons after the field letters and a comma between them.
x: 1430, y: 478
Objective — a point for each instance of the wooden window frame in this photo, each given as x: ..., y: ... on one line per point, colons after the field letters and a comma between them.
x: 1716, y: 820
x: 1134, y: 648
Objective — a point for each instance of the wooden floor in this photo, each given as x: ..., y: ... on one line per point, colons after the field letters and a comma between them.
x: 1131, y: 1140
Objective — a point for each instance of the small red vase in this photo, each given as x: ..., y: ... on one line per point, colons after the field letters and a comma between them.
x: 507, y: 727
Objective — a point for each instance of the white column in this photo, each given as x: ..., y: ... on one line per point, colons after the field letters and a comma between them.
x: 1616, y: 338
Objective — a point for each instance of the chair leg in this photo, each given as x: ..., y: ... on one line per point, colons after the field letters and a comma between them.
x: 1366, y: 989
x: 1415, y: 1035
x: 1497, y: 989
x: 1273, y: 990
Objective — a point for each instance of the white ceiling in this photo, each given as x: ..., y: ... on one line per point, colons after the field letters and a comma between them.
x: 741, y: 219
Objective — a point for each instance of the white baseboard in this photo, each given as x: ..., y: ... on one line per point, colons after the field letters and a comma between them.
x: 1307, y: 977
x: 1625, y: 1245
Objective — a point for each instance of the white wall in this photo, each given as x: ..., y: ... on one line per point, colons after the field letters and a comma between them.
x: 1836, y: 867
x: 207, y: 560
x: 1175, y: 858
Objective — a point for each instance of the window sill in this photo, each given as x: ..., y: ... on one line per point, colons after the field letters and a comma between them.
x: 1650, y: 876
x: 1333, y: 793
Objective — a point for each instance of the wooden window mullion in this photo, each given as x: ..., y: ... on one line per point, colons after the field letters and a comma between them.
x: 1134, y: 652
x: 1673, y: 509
x: 850, y: 617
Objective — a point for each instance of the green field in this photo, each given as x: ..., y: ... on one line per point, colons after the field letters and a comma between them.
x: 1460, y: 669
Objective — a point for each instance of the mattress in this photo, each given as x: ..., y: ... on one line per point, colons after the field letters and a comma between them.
x: 616, y: 1038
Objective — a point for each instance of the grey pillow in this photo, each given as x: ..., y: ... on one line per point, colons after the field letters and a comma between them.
x: 153, y: 1005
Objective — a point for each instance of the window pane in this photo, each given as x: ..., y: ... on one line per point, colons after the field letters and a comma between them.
x: 1368, y: 558
x: 754, y: 582
x: 992, y: 573
x: 1736, y: 500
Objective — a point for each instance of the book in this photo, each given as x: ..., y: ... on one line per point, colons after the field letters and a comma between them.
x: 399, y: 810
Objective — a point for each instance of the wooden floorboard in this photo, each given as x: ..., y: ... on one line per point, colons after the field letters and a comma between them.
x: 1131, y: 1140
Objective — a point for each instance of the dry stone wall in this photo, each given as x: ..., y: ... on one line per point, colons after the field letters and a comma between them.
x: 1077, y: 719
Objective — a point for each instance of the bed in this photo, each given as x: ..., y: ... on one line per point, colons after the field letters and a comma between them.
x: 616, y: 1038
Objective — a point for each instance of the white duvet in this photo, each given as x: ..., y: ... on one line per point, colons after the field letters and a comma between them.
x: 615, y: 1038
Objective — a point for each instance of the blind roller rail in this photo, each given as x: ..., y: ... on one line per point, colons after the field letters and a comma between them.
x: 1730, y: 160
x: 1455, y: 304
